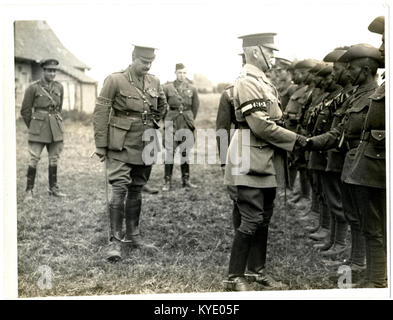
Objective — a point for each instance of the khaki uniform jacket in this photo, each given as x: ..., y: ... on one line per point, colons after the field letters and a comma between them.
x: 183, y: 104
x: 347, y: 134
x: 41, y: 108
x: 124, y: 109
x: 369, y: 165
x: 256, y: 162
x: 295, y: 106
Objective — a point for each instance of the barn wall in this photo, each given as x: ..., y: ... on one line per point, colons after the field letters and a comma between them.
x: 89, y: 94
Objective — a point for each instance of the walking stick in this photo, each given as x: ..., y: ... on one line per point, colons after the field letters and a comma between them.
x: 107, y: 197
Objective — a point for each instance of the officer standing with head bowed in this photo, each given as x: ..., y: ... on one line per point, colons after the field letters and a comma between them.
x: 183, y: 104
x: 130, y: 103
x: 256, y: 110
x: 41, y: 111
x: 368, y: 177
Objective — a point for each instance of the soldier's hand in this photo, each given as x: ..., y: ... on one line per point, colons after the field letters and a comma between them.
x: 301, y: 141
x: 101, y: 153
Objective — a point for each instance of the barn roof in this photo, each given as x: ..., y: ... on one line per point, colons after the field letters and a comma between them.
x: 35, y: 40
x: 79, y: 75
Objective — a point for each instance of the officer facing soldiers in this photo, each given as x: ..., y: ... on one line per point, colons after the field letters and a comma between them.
x: 183, y: 104
x: 256, y: 109
x: 130, y: 102
x: 41, y: 111
x: 368, y: 178
x: 364, y: 61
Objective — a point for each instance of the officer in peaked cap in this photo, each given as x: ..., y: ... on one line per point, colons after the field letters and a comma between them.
x: 130, y: 103
x: 41, y: 111
x: 183, y: 104
x: 368, y: 177
x: 256, y: 108
x: 363, y: 61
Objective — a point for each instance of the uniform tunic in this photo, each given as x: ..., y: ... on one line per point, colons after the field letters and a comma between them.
x: 253, y: 91
x: 125, y: 108
x: 41, y: 107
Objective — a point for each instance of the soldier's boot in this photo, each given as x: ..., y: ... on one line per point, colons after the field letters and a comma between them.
x: 31, y: 173
x: 132, y: 216
x: 339, y: 245
x: 54, y: 189
x: 323, y: 231
x: 147, y: 189
x: 376, y: 264
x: 358, y: 255
x: 236, y: 218
x: 237, y: 263
x: 317, y: 213
x: 185, y: 176
x: 328, y: 242
x: 168, y: 177
x: 116, y: 216
x: 257, y: 255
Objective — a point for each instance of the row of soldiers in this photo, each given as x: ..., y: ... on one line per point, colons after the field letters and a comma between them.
x: 337, y: 104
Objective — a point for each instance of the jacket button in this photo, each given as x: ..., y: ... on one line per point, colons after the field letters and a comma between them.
x: 378, y: 155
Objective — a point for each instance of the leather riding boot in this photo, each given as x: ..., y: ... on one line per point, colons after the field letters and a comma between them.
x: 116, y: 216
x: 238, y: 261
x: 132, y: 214
x: 149, y: 190
x: 53, y: 187
x: 185, y: 176
x: 323, y: 231
x: 31, y: 173
x: 167, y: 184
x: 376, y: 264
x: 257, y: 255
x: 328, y: 242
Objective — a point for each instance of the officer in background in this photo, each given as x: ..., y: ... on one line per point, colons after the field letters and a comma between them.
x: 368, y: 178
x: 41, y: 111
x: 130, y: 102
x: 183, y: 104
x: 364, y: 61
x: 256, y: 110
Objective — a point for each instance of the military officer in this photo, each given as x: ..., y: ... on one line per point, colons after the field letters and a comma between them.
x: 41, y: 111
x: 363, y: 62
x: 368, y: 178
x: 130, y: 102
x: 183, y: 104
x: 256, y: 110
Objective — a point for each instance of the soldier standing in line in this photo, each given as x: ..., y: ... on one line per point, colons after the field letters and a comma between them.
x: 292, y: 117
x: 285, y: 86
x: 256, y: 110
x: 368, y: 178
x: 183, y: 104
x: 41, y: 111
x: 331, y: 182
x: 364, y: 61
x: 130, y: 102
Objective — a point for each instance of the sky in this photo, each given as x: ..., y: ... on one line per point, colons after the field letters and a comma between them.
x: 201, y: 34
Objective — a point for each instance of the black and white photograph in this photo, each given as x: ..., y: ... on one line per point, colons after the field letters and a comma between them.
x: 195, y: 149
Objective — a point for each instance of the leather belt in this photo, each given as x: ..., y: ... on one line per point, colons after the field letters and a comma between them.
x: 46, y: 110
x: 144, y: 116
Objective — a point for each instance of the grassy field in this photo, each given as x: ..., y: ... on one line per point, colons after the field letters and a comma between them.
x: 193, y: 230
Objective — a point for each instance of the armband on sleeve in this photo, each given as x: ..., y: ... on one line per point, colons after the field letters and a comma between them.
x: 104, y: 101
x: 252, y: 106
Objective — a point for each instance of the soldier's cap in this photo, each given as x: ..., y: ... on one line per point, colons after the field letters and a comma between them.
x: 362, y: 50
x: 325, y: 71
x: 334, y: 55
x: 144, y: 53
x: 282, y: 63
x: 49, y: 63
x: 305, y: 64
x: 180, y: 66
x: 259, y: 39
x: 318, y: 67
x: 378, y: 25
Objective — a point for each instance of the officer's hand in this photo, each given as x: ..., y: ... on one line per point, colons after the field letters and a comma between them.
x: 101, y: 153
x: 301, y: 141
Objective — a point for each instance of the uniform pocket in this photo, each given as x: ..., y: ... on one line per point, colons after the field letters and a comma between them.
x: 375, y: 147
x: 152, y: 96
x: 118, y: 128
x: 36, y: 123
x: 261, y: 160
x: 132, y: 100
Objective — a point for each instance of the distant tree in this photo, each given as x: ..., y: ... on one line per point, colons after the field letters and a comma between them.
x: 221, y: 86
